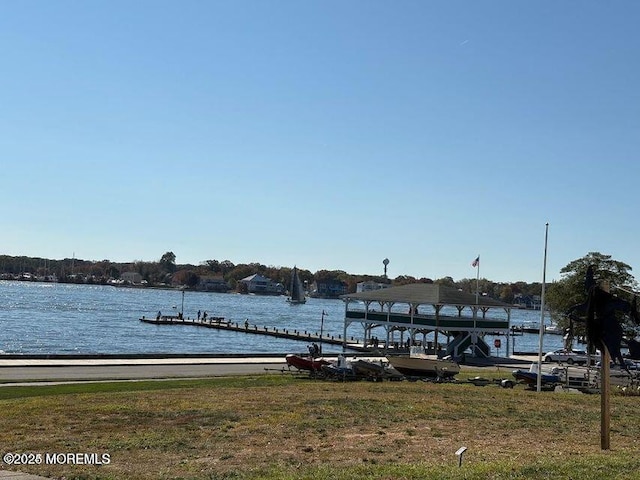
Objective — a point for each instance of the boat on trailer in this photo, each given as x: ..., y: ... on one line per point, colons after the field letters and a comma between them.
x: 418, y: 364
x: 530, y: 377
x: 368, y: 368
x: 305, y: 363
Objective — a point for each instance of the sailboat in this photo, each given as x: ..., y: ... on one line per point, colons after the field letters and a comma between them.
x: 296, y: 289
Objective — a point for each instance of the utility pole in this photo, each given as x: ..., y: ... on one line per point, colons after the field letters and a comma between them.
x: 544, y: 280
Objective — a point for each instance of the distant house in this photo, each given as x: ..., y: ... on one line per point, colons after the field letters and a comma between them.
x: 329, y: 289
x: 131, y: 277
x: 262, y: 285
x: 527, y: 301
x: 370, y: 286
x: 213, y: 284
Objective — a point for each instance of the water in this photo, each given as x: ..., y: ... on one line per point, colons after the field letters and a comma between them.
x: 54, y: 318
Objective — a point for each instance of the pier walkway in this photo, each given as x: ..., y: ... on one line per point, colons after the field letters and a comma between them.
x: 219, y: 323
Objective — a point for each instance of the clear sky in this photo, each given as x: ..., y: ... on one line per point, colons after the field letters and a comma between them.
x: 327, y: 134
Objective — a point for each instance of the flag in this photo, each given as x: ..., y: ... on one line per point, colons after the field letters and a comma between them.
x: 476, y: 262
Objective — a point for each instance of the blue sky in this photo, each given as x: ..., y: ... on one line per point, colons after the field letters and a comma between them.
x: 327, y: 134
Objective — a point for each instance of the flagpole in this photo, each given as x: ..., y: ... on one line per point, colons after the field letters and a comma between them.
x: 541, y: 335
x: 478, y: 280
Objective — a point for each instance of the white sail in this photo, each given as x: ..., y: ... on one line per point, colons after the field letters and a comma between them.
x: 296, y: 289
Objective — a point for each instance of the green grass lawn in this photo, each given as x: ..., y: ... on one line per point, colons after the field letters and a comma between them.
x: 282, y: 427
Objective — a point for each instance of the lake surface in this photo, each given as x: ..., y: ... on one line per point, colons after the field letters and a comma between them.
x: 55, y: 318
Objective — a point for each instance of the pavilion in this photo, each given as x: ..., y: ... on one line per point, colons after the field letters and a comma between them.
x: 425, y: 309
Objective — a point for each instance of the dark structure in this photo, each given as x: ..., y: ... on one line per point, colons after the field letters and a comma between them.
x: 602, y: 311
x: 634, y: 349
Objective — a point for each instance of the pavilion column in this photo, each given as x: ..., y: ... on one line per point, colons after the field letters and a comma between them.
x: 435, y: 340
x: 474, y: 334
x: 386, y: 343
x: 344, y: 332
x: 366, y: 320
x: 508, y: 330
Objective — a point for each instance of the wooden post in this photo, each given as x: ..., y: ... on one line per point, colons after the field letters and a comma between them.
x: 605, y: 382
x: 605, y: 411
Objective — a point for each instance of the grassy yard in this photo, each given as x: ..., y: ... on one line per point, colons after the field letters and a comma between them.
x: 279, y: 427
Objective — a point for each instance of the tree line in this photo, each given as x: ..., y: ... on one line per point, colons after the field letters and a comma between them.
x: 166, y: 272
x: 571, y: 290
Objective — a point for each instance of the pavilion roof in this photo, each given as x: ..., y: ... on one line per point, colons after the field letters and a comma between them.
x: 425, y: 294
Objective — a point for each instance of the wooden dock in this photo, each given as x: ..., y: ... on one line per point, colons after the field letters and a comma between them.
x: 219, y: 323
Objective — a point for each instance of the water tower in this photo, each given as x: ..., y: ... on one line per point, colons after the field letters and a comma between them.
x: 385, y: 262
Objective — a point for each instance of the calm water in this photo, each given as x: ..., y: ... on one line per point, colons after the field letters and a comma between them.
x: 56, y: 318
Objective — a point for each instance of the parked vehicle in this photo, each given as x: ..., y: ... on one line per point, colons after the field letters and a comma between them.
x: 629, y: 364
x: 570, y: 357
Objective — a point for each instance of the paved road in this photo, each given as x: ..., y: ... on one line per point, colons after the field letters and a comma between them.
x: 26, y: 370
x: 23, y: 371
x: 99, y: 369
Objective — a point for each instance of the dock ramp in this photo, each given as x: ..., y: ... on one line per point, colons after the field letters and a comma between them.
x: 464, y: 340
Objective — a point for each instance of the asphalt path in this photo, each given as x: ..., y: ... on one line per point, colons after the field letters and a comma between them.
x: 88, y: 370
x: 21, y: 371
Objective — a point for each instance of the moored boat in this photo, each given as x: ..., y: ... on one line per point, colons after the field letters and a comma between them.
x: 298, y: 295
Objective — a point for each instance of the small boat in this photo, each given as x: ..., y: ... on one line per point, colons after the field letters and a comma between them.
x: 530, y: 377
x: 367, y: 368
x: 527, y: 327
x: 418, y: 364
x: 296, y: 289
x: 305, y: 363
x: 554, y: 329
x: 376, y: 371
x: 338, y: 372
